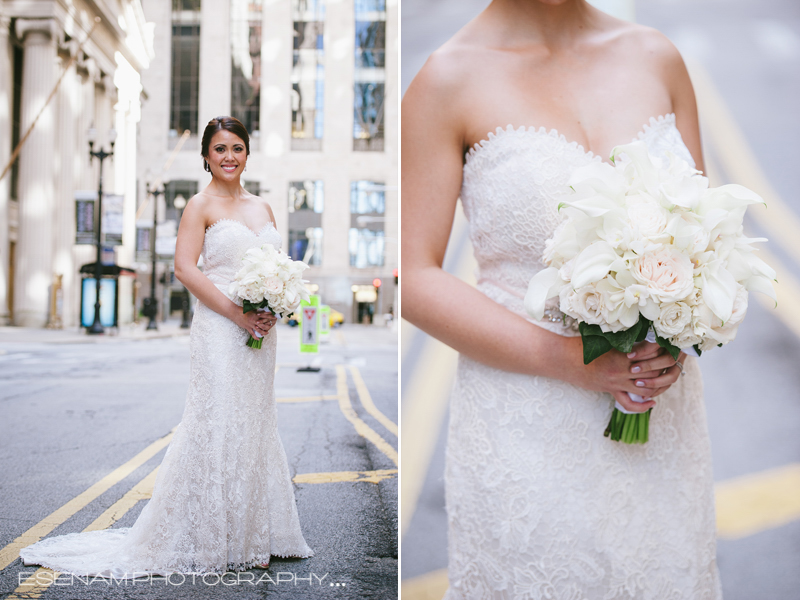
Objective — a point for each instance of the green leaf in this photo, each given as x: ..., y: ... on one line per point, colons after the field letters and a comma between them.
x: 594, y: 342
x: 620, y: 340
x: 697, y: 349
x: 674, y: 351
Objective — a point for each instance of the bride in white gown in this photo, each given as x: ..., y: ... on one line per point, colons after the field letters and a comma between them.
x: 540, y: 504
x: 223, y: 496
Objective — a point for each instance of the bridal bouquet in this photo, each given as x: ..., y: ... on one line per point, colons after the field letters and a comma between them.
x: 269, y: 280
x: 646, y: 248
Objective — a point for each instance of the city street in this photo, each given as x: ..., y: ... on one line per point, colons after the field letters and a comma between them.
x: 744, y: 60
x: 86, y: 422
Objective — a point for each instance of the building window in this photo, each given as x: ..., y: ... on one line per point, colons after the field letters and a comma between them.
x: 308, y: 74
x: 172, y: 190
x: 367, y: 217
x: 253, y: 187
x: 306, y: 203
x: 370, y: 75
x: 185, y: 66
x: 246, y: 63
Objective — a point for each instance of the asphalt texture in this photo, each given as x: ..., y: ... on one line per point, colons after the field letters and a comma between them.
x: 74, y: 408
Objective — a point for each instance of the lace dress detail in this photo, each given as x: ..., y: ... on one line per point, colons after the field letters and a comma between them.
x: 540, y: 504
x: 223, y: 497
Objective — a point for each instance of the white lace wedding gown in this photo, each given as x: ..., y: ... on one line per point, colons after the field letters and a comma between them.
x: 540, y: 504
x: 223, y: 496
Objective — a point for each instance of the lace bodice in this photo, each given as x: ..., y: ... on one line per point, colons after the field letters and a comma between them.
x: 509, y: 190
x: 224, y: 246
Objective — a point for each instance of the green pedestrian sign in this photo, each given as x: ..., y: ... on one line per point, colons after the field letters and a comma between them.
x: 309, y: 325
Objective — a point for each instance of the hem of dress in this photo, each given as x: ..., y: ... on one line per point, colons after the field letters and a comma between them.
x: 230, y: 568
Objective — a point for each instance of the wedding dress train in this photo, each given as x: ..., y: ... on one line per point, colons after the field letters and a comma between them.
x: 540, y: 504
x: 223, y: 496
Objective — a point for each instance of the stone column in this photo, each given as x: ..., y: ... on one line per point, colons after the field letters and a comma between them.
x: 64, y: 238
x: 6, y: 85
x: 33, y: 271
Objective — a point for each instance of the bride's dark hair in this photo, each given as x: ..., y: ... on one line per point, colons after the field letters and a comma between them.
x: 216, y: 124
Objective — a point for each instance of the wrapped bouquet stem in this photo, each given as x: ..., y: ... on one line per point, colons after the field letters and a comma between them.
x: 647, y: 248
x: 269, y: 280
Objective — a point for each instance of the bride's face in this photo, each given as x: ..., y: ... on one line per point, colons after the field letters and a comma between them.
x: 227, y: 155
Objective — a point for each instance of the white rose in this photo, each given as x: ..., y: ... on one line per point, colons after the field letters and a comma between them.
x: 273, y: 285
x: 667, y: 273
x: 686, y: 338
x: 673, y: 319
x: 585, y: 304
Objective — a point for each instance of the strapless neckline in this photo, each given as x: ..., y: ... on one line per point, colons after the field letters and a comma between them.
x: 492, y: 137
x: 253, y: 231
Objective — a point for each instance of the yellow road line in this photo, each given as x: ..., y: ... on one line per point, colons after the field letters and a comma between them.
x: 430, y: 586
x: 308, y: 398
x: 36, y: 583
x: 426, y: 396
x: 350, y: 414
x: 141, y: 491
x: 346, y: 476
x: 753, y: 503
x: 369, y: 405
x: 10, y: 552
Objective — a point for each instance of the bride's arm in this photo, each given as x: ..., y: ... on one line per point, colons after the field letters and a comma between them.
x: 441, y: 304
x: 191, y: 234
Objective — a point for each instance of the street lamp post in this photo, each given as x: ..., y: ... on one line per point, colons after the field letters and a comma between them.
x: 180, y: 203
x: 97, y: 326
x: 152, y: 302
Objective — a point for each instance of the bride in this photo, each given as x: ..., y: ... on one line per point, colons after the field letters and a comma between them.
x: 540, y: 504
x: 223, y: 496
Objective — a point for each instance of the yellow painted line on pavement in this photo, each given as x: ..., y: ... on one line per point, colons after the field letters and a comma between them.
x: 141, y: 491
x: 430, y: 586
x: 369, y: 405
x: 308, y: 398
x: 346, y: 476
x: 36, y: 583
x: 362, y: 428
x: 427, y: 393
x: 11, y: 551
x: 753, y: 503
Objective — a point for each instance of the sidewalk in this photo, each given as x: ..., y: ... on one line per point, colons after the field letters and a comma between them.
x: 350, y: 333
x: 35, y: 335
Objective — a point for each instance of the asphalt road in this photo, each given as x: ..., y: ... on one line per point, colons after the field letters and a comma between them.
x: 750, y: 50
x: 74, y: 412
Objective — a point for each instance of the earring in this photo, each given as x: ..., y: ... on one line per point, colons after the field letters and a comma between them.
x: 206, y: 167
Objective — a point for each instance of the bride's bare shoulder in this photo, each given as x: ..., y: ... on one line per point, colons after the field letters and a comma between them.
x: 646, y: 44
x: 449, y: 68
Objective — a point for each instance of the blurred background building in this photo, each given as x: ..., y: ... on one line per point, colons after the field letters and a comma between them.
x: 314, y: 81
x: 97, y: 86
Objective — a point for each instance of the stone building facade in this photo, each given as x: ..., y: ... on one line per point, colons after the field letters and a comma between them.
x: 97, y: 83
x: 315, y: 82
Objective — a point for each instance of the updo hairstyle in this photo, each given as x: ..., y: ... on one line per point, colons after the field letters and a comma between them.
x: 216, y: 124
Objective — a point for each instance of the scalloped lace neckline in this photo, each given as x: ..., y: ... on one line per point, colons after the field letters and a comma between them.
x: 254, y: 232
x: 653, y: 124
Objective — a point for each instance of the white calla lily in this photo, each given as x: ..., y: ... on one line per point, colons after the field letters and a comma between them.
x: 543, y: 286
x: 593, y: 264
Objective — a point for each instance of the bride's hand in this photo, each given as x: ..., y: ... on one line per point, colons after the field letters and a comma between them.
x: 655, y: 371
x: 620, y: 374
x: 257, y: 323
